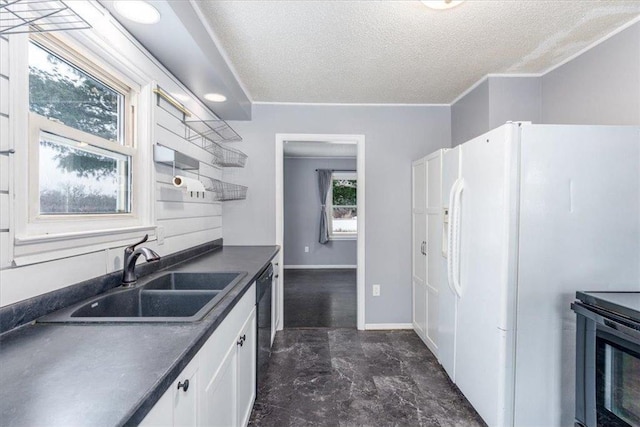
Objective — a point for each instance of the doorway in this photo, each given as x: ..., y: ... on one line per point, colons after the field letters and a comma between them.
x: 323, y: 268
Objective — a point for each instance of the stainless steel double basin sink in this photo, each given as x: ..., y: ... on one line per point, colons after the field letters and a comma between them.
x: 169, y: 297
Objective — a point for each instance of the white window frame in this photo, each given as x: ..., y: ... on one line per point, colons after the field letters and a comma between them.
x: 330, y: 206
x: 45, y: 234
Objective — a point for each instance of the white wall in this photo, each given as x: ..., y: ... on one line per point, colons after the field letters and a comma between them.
x: 394, y: 136
x: 186, y: 222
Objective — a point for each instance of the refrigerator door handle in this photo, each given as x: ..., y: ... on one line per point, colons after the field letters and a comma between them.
x: 450, y: 247
x: 455, y: 253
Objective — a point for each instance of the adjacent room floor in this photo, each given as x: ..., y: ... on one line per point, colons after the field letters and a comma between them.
x: 320, y: 298
x: 345, y: 377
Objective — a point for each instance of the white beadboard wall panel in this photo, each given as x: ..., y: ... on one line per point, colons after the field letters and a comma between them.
x: 174, y: 210
x: 4, y: 132
x: 16, y: 286
x: 4, y: 57
x: 175, y: 227
x: 4, y: 96
x: 4, y: 173
x: 169, y: 193
x: 5, y: 260
x: 4, y: 211
x: 187, y: 221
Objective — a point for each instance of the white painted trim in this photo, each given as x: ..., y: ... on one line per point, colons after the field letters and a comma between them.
x: 591, y: 46
x: 320, y: 267
x: 387, y: 326
x: 279, y: 161
x: 346, y: 104
x: 321, y: 157
x: 469, y: 89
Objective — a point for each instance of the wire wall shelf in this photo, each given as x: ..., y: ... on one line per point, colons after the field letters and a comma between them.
x: 226, y: 191
x: 213, y: 130
x: 226, y: 156
x: 38, y: 16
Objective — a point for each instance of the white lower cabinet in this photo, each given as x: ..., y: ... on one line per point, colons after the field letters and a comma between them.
x: 221, y: 377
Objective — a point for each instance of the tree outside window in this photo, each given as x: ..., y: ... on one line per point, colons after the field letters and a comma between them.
x: 344, y: 209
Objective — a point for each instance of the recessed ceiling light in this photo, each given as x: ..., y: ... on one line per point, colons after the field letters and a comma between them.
x: 215, y: 97
x: 138, y: 11
x: 441, y: 4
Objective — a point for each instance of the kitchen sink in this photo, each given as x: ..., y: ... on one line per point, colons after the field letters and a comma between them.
x: 169, y: 297
x: 185, y: 281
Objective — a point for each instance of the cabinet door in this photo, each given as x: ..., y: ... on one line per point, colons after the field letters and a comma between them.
x: 177, y: 406
x: 419, y: 244
x: 218, y: 404
x: 247, y: 369
x: 434, y: 246
x: 185, y: 400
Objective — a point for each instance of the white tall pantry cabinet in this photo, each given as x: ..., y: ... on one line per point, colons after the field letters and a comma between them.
x: 426, y: 262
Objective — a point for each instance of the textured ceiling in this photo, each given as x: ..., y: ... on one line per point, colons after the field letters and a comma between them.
x: 374, y: 51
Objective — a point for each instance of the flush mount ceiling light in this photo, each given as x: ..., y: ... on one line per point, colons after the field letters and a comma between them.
x: 137, y: 11
x: 215, y: 97
x: 441, y: 4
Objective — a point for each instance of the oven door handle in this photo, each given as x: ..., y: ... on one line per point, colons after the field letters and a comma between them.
x: 608, y: 324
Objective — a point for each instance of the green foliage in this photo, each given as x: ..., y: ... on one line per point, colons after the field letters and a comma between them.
x: 76, y: 199
x: 67, y: 95
x: 344, y: 192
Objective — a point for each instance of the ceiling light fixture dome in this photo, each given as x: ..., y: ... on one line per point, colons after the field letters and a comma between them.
x: 215, y: 97
x: 138, y: 11
x: 441, y: 4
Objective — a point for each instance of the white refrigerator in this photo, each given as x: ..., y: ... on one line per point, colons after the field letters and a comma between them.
x: 533, y: 213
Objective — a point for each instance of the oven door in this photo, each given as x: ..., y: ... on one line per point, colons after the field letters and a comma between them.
x: 607, y: 369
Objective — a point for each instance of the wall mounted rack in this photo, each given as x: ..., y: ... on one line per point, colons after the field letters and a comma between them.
x: 226, y: 191
x: 38, y: 16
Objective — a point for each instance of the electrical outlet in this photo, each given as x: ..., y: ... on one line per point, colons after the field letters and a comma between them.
x: 376, y: 290
x: 160, y: 235
x: 306, y: 248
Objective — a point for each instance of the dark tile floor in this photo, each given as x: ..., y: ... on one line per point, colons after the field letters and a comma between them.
x: 345, y: 377
x: 320, y: 298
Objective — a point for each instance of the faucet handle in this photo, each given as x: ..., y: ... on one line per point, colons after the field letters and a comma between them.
x: 131, y: 248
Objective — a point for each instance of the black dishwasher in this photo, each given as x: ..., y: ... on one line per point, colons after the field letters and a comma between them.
x: 263, y: 307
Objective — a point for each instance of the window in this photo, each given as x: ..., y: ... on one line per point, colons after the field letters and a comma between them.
x: 343, y: 208
x: 82, y: 157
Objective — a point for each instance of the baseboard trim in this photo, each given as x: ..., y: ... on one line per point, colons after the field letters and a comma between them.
x: 387, y: 326
x: 318, y: 267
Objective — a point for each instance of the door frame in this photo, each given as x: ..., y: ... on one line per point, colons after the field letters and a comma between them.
x: 359, y: 140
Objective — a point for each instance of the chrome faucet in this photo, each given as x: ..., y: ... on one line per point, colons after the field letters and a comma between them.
x: 131, y: 255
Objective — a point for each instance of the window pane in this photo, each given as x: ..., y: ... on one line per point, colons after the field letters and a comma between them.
x: 60, y: 91
x: 77, y: 178
x: 344, y: 220
x: 344, y: 192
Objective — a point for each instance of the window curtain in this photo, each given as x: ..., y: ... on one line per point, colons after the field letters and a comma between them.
x: 324, y: 181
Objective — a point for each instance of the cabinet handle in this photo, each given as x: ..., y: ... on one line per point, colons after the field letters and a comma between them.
x: 184, y: 386
x: 242, y: 339
x: 276, y: 276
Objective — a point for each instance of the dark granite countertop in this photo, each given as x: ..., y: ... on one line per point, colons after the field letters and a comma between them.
x: 110, y: 374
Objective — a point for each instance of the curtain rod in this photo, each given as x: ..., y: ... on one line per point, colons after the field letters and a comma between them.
x: 340, y: 170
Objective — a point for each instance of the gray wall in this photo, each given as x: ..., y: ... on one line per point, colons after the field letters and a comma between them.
x: 470, y: 114
x: 601, y: 86
x: 302, y: 215
x: 494, y: 102
x: 394, y: 137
